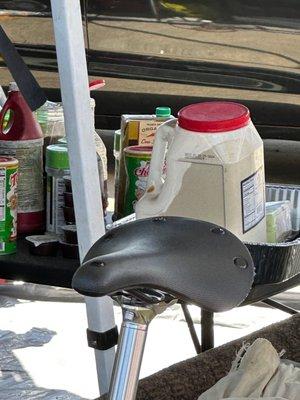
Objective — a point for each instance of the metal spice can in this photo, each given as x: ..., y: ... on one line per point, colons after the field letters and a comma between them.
x: 8, y: 204
x: 137, y: 164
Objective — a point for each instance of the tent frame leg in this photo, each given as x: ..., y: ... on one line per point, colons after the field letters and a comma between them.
x: 71, y: 58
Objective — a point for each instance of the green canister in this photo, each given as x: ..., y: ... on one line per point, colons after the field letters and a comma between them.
x: 137, y: 164
x: 8, y: 204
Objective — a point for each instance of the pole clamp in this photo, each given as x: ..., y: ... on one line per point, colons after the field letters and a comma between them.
x: 102, y: 340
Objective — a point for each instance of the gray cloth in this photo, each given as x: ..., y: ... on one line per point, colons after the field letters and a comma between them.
x: 258, y: 373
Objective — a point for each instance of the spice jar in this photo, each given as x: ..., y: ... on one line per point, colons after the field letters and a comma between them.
x: 57, y: 167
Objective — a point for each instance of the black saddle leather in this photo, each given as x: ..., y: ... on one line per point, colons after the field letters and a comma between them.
x: 195, y: 261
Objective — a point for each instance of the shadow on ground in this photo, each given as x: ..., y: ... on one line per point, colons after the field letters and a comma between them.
x: 15, y: 382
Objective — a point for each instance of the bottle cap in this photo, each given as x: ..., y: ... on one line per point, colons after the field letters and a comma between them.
x: 163, y: 112
x: 13, y: 87
x: 57, y: 156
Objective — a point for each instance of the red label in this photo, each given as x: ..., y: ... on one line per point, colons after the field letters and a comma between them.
x: 142, y: 171
x: 13, y: 179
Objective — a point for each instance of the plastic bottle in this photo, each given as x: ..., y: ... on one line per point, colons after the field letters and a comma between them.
x: 22, y: 138
x: 102, y: 160
x: 51, y: 119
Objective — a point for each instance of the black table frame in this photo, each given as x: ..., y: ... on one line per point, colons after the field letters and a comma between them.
x: 257, y: 293
x: 58, y: 271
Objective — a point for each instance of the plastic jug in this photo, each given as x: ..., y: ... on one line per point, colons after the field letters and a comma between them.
x: 22, y: 138
x: 215, y: 170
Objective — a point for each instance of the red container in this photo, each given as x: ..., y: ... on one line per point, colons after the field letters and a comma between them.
x: 21, y: 137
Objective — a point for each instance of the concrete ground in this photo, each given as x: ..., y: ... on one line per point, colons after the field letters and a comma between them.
x: 43, y: 343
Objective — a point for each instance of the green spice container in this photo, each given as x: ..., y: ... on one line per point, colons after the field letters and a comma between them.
x: 57, y: 167
x: 8, y: 204
x: 137, y: 164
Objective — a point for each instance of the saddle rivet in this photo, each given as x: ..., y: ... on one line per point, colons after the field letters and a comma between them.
x: 101, y: 264
x: 218, y: 231
x: 240, y: 262
x: 157, y: 219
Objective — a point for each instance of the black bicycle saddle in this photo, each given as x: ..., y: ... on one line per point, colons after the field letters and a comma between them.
x: 195, y: 261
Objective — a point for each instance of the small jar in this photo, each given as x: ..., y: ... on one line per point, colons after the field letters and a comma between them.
x: 57, y: 167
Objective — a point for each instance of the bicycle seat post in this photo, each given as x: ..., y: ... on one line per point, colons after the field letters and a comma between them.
x: 149, y: 264
x: 130, y: 350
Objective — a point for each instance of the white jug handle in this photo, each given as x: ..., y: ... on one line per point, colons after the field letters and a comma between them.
x: 164, y: 136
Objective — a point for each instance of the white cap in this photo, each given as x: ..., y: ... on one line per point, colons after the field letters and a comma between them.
x: 13, y: 87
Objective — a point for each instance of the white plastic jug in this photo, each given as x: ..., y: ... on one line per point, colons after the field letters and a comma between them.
x: 215, y: 170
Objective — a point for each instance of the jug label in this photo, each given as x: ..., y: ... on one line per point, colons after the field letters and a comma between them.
x: 253, y: 200
x: 147, y: 131
x: 55, y: 203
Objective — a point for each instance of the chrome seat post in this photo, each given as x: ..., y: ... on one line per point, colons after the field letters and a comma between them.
x: 131, y: 344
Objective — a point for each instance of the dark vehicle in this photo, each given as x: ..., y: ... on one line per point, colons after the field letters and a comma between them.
x: 164, y: 52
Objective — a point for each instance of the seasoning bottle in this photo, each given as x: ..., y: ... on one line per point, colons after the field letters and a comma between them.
x: 57, y: 167
x: 21, y: 137
x: 101, y: 170
x: 51, y: 119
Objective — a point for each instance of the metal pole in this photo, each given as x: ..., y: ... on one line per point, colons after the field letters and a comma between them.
x: 191, y: 327
x: 82, y: 153
x: 280, y: 306
x: 129, y: 356
x: 207, y: 330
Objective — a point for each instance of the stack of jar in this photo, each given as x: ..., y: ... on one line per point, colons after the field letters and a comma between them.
x: 28, y: 138
x: 132, y: 151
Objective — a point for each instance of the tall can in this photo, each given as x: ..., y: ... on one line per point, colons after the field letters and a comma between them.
x: 8, y: 204
x: 137, y: 164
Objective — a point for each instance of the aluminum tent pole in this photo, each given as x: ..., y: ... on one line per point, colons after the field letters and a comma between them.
x: 72, y: 67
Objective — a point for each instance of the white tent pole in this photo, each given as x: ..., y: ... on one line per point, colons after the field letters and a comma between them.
x: 83, y: 163
x: 2, y: 97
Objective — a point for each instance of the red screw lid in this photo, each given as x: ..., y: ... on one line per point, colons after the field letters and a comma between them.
x: 213, y: 116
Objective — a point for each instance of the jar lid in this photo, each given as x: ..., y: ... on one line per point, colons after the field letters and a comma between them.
x: 163, y: 112
x: 138, y: 151
x: 57, y: 156
x: 62, y: 141
x: 213, y: 116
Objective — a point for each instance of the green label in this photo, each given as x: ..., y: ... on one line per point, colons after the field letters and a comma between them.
x: 137, y: 170
x: 8, y: 209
